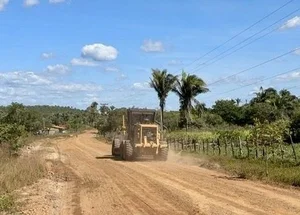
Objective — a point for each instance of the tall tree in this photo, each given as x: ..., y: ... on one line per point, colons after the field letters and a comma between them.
x: 188, y: 88
x: 229, y: 111
x: 92, y: 112
x: 162, y: 82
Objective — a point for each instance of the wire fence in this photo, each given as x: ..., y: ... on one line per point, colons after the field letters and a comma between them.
x: 241, y: 149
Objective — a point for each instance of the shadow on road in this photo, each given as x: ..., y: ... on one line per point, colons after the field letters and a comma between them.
x: 110, y: 157
x: 233, y: 178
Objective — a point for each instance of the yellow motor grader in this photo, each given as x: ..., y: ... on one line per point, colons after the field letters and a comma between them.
x: 141, y: 137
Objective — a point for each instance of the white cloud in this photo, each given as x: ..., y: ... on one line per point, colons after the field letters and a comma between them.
x: 121, y: 77
x: 11, y: 91
x: 47, y: 55
x: 289, y: 77
x: 58, y: 69
x: 3, y: 3
x: 297, y: 51
x: 111, y: 69
x: 75, y: 87
x: 19, y: 78
x: 99, y: 52
x: 30, y: 3
x: 141, y: 86
x: 152, y: 46
x: 82, y: 62
x: 56, y: 1
x: 38, y: 88
x: 175, y: 62
x: 291, y: 23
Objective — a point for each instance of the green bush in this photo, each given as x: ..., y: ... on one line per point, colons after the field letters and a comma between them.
x: 11, y: 134
x: 7, y: 202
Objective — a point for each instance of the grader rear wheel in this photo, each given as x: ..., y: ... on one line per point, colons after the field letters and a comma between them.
x: 129, y: 153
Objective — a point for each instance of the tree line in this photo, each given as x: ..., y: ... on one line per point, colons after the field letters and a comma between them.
x: 18, y: 121
x: 267, y: 105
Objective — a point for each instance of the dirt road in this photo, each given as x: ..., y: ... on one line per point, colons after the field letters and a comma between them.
x: 108, y: 186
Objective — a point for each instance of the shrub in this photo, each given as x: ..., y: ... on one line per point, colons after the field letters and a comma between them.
x: 6, y: 202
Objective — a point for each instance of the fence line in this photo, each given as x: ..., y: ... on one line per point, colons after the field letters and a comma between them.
x: 237, y: 148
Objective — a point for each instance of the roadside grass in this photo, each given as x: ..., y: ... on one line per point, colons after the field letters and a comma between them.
x: 17, y: 172
x: 287, y: 172
x: 7, y: 202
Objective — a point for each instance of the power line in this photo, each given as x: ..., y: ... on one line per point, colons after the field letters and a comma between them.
x: 253, y: 67
x: 204, y: 64
x: 293, y: 87
x: 268, y: 78
x: 233, y: 37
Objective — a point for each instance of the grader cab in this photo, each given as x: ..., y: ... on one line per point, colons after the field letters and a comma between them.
x: 141, y: 137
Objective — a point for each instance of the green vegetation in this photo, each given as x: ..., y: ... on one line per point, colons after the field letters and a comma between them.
x: 187, y: 88
x: 19, y: 125
x: 252, y: 140
x: 255, y: 139
x: 280, y: 173
x: 17, y: 122
x: 7, y: 202
x: 257, y: 153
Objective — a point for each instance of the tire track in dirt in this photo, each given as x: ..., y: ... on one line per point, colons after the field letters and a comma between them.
x: 201, y: 194
x: 97, y: 194
x: 130, y: 188
x: 110, y: 186
x: 239, y: 189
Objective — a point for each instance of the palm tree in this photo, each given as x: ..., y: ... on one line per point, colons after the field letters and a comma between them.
x: 188, y: 88
x: 163, y: 83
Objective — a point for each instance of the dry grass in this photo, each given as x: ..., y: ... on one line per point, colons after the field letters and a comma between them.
x: 17, y: 172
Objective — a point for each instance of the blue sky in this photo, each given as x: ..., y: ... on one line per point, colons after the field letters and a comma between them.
x: 73, y: 52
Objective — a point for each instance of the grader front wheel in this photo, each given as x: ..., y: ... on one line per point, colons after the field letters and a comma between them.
x: 115, y: 148
x: 163, y: 154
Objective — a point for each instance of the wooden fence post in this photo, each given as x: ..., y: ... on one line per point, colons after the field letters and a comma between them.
x: 240, y: 147
x: 213, y: 146
x: 281, y: 152
x: 293, y: 147
x: 226, y: 152
x: 256, y: 149
x: 207, y: 146
x: 267, y: 168
x: 232, y: 148
x: 194, y: 143
x: 219, y: 147
x: 248, y: 149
